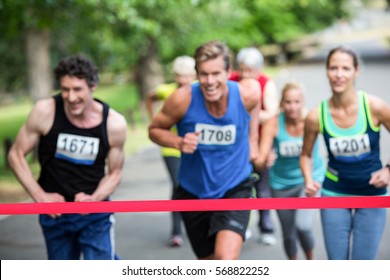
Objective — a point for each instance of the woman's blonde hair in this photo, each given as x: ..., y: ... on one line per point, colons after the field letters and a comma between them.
x: 294, y: 85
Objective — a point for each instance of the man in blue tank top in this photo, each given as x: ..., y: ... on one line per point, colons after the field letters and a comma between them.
x: 217, y: 134
x: 75, y: 134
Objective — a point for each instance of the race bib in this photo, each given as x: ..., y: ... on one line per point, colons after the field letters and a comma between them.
x: 353, y: 146
x: 290, y: 148
x: 77, y: 149
x: 215, y: 134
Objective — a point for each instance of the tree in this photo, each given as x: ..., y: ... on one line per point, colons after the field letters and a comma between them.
x: 34, y: 21
x: 142, y: 36
x: 161, y: 30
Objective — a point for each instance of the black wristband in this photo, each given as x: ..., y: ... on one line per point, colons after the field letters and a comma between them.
x: 388, y: 166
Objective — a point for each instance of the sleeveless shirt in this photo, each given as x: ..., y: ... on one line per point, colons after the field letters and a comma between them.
x: 72, y: 159
x: 353, y: 152
x: 221, y: 161
x: 286, y: 172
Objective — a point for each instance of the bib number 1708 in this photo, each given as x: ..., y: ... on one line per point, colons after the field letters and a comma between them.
x: 216, y: 135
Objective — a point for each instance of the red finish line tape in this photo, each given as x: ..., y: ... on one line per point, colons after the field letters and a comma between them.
x: 195, y: 205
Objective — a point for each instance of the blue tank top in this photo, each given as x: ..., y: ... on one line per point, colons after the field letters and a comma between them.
x: 353, y: 152
x: 221, y: 161
x: 286, y: 172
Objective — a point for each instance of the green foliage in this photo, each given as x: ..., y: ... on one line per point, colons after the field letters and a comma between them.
x: 13, y: 75
x: 119, y: 97
x: 18, y: 15
x: 12, y: 118
x: 115, y: 33
x: 281, y: 21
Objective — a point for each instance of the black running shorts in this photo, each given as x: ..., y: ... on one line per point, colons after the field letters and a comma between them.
x: 202, y: 227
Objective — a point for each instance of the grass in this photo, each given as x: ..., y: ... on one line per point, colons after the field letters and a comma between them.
x: 120, y: 97
x: 11, y: 119
x: 123, y: 98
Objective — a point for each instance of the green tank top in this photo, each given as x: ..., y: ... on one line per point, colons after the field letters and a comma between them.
x: 286, y: 172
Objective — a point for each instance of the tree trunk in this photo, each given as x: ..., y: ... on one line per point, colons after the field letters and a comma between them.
x: 148, y: 72
x: 38, y: 63
x: 148, y: 75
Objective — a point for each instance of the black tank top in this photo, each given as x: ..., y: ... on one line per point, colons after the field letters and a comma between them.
x: 72, y: 159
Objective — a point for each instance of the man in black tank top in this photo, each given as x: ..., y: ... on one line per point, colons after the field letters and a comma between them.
x: 76, y: 134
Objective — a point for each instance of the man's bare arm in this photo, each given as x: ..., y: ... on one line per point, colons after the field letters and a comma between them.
x: 271, y: 102
x: 250, y: 94
x: 117, y: 131
x: 172, y: 111
x: 38, y: 123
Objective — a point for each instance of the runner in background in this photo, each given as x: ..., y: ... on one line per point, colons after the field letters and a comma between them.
x: 284, y: 134
x: 250, y: 63
x: 217, y: 123
x: 184, y: 71
x: 350, y: 122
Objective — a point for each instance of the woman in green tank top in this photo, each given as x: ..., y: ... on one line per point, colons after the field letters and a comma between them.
x: 284, y: 134
x: 349, y: 122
